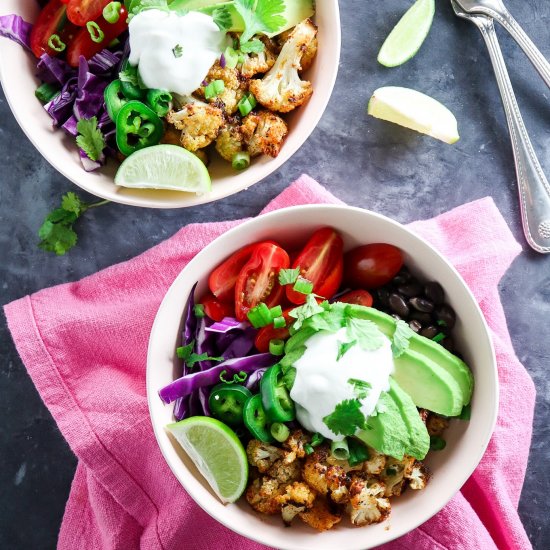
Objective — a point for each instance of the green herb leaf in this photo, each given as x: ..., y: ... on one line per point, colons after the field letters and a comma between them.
x: 194, y: 358
x: 222, y: 18
x: 367, y: 334
x: 290, y: 358
x: 288, y: 276
x: 71, y: 203
x: 253, y: 46
x: 401, y: 337
x: 90, y: 138
x: 177, y: 50
x: 317, y: 439
x: 361, y: 387
x: 184, y: 352
x: 346, y: 419
x: 260, y: 16
x: 343, y: 347
x: 310, y: 308
x: 129, y: 75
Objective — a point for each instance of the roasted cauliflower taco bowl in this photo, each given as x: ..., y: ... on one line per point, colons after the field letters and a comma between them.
x: 321, y: 377
x: 128, y: 99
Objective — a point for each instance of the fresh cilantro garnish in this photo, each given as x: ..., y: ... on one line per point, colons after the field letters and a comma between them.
x: 177, y: 50
x: 90, y: 138
x: 260, y: 16
x: 186, y: 353
x: 222, y: 18
x: 367, y: 334
x: 57, y: 233
x: 346, y: 419
x: 288, y: 276
x: 136, y: 6
x: 361, y: 387
x: 317, y: 439
x: 310, y: 308
x: 343, y: 347
x: 401, y: 337
x: 253, y: 46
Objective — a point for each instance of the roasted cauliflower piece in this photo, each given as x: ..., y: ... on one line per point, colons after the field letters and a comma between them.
x: 256, y: 63
x: 297, y: 498
x: 199, y: 124
x: 375, y: 464
x: 309, y: 52
x: 282, y: 89
x: 287, y: 469
x: 262, y: 455
x: 263, y: 495
x: 229, y: 142
x: 367, y: 503
x: 326, y: 479
x: 436, y: 424
x: 234, y: 87
x: 320, y: 516
x: 393, y: 475
x: 417, y: 475
x: 296, y: 442
x: 264, y: 132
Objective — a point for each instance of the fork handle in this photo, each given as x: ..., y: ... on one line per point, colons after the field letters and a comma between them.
x: 534, y: 190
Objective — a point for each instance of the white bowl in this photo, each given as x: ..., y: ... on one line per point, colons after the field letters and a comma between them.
x: 466, y: 441
x: 17, y: 70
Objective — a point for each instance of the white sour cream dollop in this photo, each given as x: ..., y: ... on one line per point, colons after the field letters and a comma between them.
x: 173, y: 52
x: 322, y: 382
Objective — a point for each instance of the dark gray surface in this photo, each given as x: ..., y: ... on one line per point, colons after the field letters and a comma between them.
x: 363, y: 161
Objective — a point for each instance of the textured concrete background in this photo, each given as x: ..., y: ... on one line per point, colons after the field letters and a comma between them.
x: 363, y: 161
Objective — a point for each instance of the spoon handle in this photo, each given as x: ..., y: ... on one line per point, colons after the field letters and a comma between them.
x: 534, y: 190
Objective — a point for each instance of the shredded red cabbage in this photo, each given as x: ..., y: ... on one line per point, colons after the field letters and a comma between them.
x: 16, y: 28
x: 54, y: 70
x: 227, y: 324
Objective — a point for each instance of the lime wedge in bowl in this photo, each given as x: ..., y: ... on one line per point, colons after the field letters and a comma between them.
x: 407, y: 36
x: 217, y: 453
x: 414, y: 110
x: 164, y: 167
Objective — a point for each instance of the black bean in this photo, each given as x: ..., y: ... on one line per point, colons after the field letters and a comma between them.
x: 415, y: 325
x: 434, y: 292
x: 424, y: 318
x: 410, y: 289
x: 402, y: 277
x: 396, y: 317
x: 398, y: 304
x: 446, y: 314
x: 382, y: 296
x: 448, y: 344
x: 421, y: 304
x: 429, y: 332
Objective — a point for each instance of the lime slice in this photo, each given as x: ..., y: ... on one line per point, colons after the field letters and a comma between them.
x: 164, y: 167
x: 407, y: 36
x: 216, y: 452
x: 414, y: 110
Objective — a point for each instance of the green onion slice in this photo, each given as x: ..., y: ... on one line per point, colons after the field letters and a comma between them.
x: 198, y: 310
x: 56, y: 44
x: 276, y: 346
x: 303, y: 286
x: 279, y: 431
x: 241, y: 161
x: 357, y: 452
x: 214, y: 89
x: 111, y: 12
x: 340, y: 450
x: 46, y: 92
x: 279, y: 322
x: 246, y: 104
x: 96, y: 34
x: 231, y: 57
x: 259, y: 316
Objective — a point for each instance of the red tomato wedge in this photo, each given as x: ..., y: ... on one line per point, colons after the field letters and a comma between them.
x: 51, y: 20
x: 258, y: 279
x: 215, y: 309
x: 359, y: 297
x: 80, y: 12
x: 222, y: 280
x: 82, y: 44
x: 372, y: 265
x: 266, y: 334
x: 321, y: 261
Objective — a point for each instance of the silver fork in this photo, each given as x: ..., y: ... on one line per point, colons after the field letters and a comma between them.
x: 497, y: 10
x: 534, y: 190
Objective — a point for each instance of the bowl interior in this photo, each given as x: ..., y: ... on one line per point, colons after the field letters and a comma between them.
x: 466, y: 441
x: 17, y: 70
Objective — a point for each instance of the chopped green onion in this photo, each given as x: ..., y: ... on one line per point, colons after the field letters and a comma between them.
x: 466, y: 412
x: 241, y: 161
x: 231, y: 57
x: 279, y: 322
x: 357, y: 452
x: 279, y: 431
x: 259, y: 316
x: 276, y: 311
x: 214, y: 89
x: 96, y: 34
x: 113, y: 43
x: 317, y: 439
x: 339, y: 449
x: 246, y: 104
x: 276, y: 347
x: 46, y: 92
x: 438, y: 337
x: 111, y: 12
x: 308, y: 449
x: 198, y: 310
x: 289, y: 276
x: 437, y: 443
x: 303, y: 286
x: 56, y: 44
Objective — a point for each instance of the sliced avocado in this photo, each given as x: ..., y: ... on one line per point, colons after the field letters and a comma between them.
x: 419, y: 439
x: 386, y: 432
x: 428, y: 384
x: 422, y: 346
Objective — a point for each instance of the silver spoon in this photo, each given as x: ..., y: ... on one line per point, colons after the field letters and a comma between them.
x: 497, y: 10
x: 534, y: 190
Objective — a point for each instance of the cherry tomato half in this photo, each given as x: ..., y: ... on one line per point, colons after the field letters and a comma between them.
x: 215, y: 309
x: 222, y: 280
x: 80, y: 12
x: 359, y: 297
x: 372, y: 265
x: 258, y: 280
x: 51, y: 20
x: 321, y: 262
x: 268, y: 333
x: 227, y: 401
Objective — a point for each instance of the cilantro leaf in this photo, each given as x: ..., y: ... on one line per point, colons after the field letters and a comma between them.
x: 343, y: 347
x: 346, y: 419
x: 184, y: 352
x: 367, y: 334
x: 195, y: 358
x: 253, y: 46
x: 400, y: 340
x: 288, y: 276
x: 90, y: 138
x: 260, y: 16
x: 222, y: 18
x: 71, y: 203
x: 361, y: 387
x: 177, y: 50
x: 331, y: 320
x: 310, y: 308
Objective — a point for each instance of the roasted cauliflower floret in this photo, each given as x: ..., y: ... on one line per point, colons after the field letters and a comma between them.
x: 297, y: 498
x: 282, y: 89
x: 262, y: 494
x: 229, y: 142
x: 262, y: 455
x: 296, y: 442
x: 326, y: 479
x: 320, y: 516
x: 309, y: 52
x: 287, y: 469
x: 255, y: 63
x: 436, y: 424
x: 417, y: 475
x: 264, y: 132
x: 393, y: 475
x: 375, y: 464
x: 367, y: 503
x: 199, y: 124
x: 234, y: 87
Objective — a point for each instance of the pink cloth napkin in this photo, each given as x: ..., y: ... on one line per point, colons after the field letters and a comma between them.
x: 84, y: 345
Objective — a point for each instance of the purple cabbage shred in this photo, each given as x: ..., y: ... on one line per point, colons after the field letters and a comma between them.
x: 17, y: 29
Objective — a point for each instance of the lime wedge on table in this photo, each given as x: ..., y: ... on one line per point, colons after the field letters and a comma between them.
x: 217, y: 453
x: 414, y: 110
x: 164, y: 167
x: 407, y: 36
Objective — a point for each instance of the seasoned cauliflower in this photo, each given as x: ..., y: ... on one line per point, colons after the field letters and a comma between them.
x: 324, y: 478
x: 320, y: 516
x: 297, y: 498
x: 255, y: 63
x: 418, y: 475
x: 367, y: 503
x: 262, y: 455
x: 393, y: 475
x: 234, y: 87
x: 262, y: 494
x: 436, y: 424
x: 296, y: 441
x: 281, y: 89
x: 229, y: 142
x: 375, y: 464
x: 309, y: 52
x: 264, y: 132
x: 287, y: 469
x: 199, y: 124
